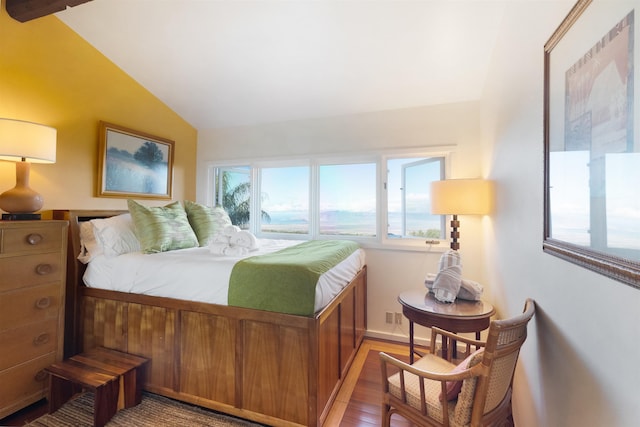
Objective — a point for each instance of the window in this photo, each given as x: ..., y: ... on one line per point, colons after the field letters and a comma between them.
x: 408, y: 204
x: 325, y: 198
x: 284, y: 199
x: 348, y: 199
x: 232, y: 190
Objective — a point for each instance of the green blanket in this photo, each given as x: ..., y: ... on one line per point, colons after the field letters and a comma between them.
x: 285, y: 281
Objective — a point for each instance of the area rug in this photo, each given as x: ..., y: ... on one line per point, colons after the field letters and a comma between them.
x: 153, y: 411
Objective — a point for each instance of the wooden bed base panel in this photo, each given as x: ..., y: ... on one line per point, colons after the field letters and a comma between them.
x: 273, y: 368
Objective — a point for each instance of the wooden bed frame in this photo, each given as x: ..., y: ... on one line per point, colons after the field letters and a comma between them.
x: 272, y: 368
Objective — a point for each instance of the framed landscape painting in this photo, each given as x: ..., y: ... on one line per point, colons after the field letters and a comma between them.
x: 134, y: 164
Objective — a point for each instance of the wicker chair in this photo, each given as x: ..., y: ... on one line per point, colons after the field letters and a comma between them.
x: 418, y: 392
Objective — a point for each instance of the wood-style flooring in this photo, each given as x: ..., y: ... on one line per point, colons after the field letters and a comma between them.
x: 357, y: 403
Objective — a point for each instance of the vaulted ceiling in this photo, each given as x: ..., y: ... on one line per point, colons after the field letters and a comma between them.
x: 232, y: 63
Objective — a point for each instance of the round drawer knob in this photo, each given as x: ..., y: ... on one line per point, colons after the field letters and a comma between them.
x: 44, y: 269
x: 41, y: 339
x: 34, y: 238
x: 43, y: 302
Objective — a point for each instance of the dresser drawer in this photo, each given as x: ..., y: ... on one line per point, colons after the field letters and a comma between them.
x: 28, y: 342
x: 30, y: 305
x: 40, y: 237
x: 20, y: 271
x: 33, y: 256
x: 24, y: 384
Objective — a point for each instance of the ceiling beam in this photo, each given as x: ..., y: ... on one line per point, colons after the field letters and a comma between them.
x: 26, y: 10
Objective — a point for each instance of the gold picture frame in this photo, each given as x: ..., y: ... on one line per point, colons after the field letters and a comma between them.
x: 591, y: 152
x: 134, y: 164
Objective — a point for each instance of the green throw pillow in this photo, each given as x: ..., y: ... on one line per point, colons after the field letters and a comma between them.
x: 161, y: 229
x: 206, y: 221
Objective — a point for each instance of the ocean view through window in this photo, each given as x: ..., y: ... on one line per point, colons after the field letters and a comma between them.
x: 408, y: 200
x: 347, y: 194
x: 377, y: 198
x: 284, y: 194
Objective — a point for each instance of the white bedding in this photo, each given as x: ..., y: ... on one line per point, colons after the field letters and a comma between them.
x: 197, y: 275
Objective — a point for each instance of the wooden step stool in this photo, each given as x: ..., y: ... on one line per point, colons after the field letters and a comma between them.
x: 116, y: 379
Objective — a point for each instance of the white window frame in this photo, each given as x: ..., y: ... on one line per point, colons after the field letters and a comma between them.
x: 444, y: 151
x: 380, y: 158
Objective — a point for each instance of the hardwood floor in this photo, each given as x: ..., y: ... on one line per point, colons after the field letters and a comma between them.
x: 357, y: 403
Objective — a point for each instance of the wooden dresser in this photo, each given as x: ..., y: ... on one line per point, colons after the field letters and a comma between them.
x: 32, y: 281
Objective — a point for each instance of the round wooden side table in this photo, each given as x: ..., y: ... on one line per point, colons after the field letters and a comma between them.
x: 421, y: 307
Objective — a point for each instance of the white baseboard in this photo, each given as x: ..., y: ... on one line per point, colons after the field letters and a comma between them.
x: 400, y: 338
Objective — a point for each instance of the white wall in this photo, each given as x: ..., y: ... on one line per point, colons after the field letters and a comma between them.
x: 389, y: 272
x: 579, y: 364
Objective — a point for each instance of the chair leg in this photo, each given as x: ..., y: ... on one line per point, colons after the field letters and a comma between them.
x: 386, y: 415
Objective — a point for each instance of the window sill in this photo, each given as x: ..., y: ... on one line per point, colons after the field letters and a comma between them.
x: 420, y: 246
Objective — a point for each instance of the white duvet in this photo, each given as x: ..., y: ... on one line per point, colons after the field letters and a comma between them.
x: 196, y: 274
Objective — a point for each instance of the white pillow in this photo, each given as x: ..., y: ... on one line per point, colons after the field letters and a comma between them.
x: 115, y: 235
x: 89, y: 247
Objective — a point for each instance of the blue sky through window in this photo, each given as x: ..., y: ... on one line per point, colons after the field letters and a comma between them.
x: 346, y: 196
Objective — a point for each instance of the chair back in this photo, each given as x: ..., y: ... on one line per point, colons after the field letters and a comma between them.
x: 493, y: 390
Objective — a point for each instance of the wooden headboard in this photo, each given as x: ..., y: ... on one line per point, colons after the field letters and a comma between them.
x: 75, y: 271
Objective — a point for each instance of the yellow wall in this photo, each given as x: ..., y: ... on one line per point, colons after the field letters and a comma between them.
x: 50, y: 75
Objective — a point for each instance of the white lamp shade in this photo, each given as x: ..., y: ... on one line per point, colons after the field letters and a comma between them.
x: 462, y: 197
x: 26, y: 140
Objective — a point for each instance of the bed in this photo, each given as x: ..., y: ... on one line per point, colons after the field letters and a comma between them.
x: 273, y: 368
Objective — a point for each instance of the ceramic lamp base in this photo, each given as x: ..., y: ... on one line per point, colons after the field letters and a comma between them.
x: 21, y: 198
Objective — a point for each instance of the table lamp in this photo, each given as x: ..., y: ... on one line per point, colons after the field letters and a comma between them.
x: 461, y: 197
x: 24, y: 143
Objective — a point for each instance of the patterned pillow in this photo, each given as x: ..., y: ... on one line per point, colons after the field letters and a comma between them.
x: 161, y: 229
x: 206, y: 221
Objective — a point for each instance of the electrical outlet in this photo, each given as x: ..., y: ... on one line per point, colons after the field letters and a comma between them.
x: 398, y: 319
x: 389, y: 317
